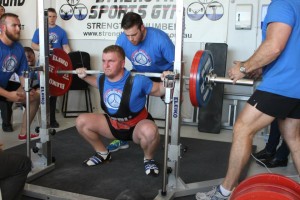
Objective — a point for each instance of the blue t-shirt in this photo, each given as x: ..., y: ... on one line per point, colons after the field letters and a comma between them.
x: 112, y: 92
x: 154, y: 54
x: 57, y: 37
x: 13, y: 60
x: 282, y: 76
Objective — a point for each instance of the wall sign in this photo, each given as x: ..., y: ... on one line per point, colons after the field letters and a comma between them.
x: 205, y: 21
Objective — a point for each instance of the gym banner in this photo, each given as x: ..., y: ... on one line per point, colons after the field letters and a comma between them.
x: 26, y: 10
x: 205, y: 20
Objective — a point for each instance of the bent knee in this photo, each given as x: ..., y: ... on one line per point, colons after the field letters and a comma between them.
x: 81, y: 121
x: 150, y: 132
x: 151, y: 128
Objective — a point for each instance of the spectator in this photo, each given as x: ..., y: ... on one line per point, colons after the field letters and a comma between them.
x: 13, y: 60
x: 277, y: 96
x: 57, y: 39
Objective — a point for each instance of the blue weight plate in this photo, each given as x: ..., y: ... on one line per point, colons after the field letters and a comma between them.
x: 203, y: 91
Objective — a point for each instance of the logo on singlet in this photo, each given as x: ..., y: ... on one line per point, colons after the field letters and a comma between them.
x: 112, y: 98
x: 141, y: 58
x: 9, y: 63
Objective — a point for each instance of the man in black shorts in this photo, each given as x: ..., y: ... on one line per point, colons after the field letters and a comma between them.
x: 277, y: 96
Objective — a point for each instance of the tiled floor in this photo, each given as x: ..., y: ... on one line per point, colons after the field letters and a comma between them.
x: 10, y: 140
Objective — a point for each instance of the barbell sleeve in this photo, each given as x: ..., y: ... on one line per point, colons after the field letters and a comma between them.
x: 213, y: 78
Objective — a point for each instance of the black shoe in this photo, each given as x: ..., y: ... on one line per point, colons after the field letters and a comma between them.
x: 7, y: 127
x: 263, y: 155
x: 272, y: 163
x: 54, y: 124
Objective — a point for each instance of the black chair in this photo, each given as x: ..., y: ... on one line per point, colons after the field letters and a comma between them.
x: 79, y: 59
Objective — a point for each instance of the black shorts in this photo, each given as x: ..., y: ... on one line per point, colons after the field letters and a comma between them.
x: 11, y: 86
x: 122, y: 134
x: 275, y: 105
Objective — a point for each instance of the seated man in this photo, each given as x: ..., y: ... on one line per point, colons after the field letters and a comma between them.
x: 30, y: 56
x: 126, y: 117
x: 13, y: 60
x: 14, y: 169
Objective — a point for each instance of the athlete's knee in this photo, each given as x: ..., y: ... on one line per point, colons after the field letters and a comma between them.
x: 150, y: 129
x: 149, y: 132
x: 81, y: 121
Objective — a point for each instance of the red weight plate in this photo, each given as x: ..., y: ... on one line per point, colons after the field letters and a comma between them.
x: 193, y: 78
x: 265, y: 191
x: 274, y: 179
x: 59, y: 84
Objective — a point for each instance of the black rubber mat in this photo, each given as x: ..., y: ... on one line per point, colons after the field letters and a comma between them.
x: 203, y: 160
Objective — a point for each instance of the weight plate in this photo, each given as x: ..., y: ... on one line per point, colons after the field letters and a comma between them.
x: 193, y: 78
x: 265, y: 191
x: 276, y: 180
x: 59, y: 84
x: 203, y: 90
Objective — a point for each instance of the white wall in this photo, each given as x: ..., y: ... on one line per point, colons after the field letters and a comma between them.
x: 241, y: 43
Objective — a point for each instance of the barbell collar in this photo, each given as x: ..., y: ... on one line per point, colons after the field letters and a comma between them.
x: 213, y: 78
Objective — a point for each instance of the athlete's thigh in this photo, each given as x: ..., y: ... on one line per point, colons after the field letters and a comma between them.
x: 251, y: 119
x: 97, y: 123
x: 145, y: 128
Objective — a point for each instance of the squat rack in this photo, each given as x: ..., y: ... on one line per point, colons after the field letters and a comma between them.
x: 43, y: 159
x: 173, y: 185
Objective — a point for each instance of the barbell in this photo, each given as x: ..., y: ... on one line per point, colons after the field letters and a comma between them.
x: 201, y: 79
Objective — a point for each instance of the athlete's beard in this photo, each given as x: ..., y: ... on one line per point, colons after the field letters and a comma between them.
x: 11, y: 36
